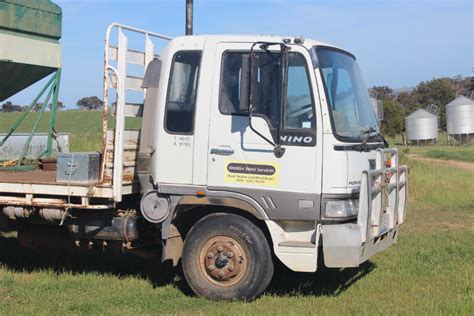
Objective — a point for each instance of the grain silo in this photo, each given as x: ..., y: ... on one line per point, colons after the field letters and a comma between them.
x: 421, y: 127
x: 460, y: 119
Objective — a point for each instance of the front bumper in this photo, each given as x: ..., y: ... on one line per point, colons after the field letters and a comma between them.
x: 383, y: 198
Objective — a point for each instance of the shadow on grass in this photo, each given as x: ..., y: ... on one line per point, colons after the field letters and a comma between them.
x: 325, y: 282
x: 110, y: 262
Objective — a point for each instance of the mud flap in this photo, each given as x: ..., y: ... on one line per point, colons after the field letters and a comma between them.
x: 341, y: 245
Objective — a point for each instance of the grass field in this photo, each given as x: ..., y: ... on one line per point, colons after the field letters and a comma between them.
x: 429, y: 271
x: 465, y: 154
x: 442, y: 150
x: 85, y: 127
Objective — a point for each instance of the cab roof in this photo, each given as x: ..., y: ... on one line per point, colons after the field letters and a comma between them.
x: 246, y: 38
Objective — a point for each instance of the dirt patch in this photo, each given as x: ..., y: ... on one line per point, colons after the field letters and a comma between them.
x: 3, y: 294
x: 457, y: 225
x: 453, y: 163
x: 422, y: 220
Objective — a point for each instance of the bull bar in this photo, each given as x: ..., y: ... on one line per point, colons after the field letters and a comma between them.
x: 383, y: 198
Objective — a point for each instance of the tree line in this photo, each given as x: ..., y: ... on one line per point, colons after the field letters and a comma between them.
x: 8, y: 107
x: 86, y: 103
x: 440, y: 92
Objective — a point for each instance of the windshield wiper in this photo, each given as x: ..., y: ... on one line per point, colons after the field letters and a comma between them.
x: 368, y: 133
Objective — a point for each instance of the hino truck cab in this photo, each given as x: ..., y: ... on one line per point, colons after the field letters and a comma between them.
x: 273, y: 141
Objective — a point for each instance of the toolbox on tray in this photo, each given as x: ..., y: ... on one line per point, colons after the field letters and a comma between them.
x: 82, y: 167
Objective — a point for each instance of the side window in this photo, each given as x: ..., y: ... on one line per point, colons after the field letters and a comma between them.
x: 181, y: 99
x: 230, y: 83
x: 299, y: 112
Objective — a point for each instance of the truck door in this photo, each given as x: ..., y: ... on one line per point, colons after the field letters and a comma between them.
x: 241, y: 161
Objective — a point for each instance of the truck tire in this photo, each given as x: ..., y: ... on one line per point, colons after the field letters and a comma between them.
x: 227, y: 257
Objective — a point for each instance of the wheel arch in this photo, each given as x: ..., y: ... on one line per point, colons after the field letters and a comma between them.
x: 190, y: 209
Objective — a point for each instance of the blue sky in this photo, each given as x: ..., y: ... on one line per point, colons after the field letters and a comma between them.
x: 397, y: 42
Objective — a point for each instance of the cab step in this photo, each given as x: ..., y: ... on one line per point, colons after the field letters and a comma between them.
x: 297, y: 244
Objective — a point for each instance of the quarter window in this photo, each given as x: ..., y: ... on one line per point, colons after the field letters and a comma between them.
x: 181, y: 100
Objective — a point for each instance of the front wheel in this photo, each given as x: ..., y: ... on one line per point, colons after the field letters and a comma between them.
x: 227, y: 257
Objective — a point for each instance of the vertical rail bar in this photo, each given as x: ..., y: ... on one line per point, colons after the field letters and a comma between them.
x: 149, y: 50
x: 105, y: 106
x: 365, y: 199
x: 395, y: 164
x: 120, y: 116
x: 385, y: 194
x: 370, y: 182
x: 377, y: 212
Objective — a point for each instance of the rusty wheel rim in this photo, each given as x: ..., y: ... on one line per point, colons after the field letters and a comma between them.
x: 223, y: 260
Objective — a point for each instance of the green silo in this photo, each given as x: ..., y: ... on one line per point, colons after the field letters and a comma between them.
x: 29, y: 43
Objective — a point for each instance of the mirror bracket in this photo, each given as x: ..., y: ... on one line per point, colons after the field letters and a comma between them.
x: 279, y: 151
x: 250, y: 72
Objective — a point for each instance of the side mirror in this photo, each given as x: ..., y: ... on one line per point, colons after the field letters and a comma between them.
x: 248, y: 82
x: 244, y: 83
x: 254, y: 61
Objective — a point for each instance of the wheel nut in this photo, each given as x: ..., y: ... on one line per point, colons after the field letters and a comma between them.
x: 210, y: 255
x: 230, y: 254
x: 210, y: 268
x: 221, y: 275
x: 219, y: 248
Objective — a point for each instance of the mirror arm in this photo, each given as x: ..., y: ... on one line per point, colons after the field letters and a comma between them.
x: 277, y: 149
x: 258, y: 133
x: 283, y: 88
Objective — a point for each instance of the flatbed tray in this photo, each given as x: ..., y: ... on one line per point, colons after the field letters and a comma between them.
x: 41, y: 182
x: 37, y: 176
x: 32, y: 176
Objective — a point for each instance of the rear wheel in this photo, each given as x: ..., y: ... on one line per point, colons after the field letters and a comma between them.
x: 227, y: 257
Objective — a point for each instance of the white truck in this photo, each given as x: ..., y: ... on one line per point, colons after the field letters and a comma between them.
x: 252, y: 149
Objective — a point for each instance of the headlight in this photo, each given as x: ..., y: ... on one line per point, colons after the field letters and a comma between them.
x: 341, y: 208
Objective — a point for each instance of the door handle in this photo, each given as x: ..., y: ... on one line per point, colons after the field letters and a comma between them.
x: 222, y: 150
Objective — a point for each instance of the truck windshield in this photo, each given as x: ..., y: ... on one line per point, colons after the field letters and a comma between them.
x: 351, y: 110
